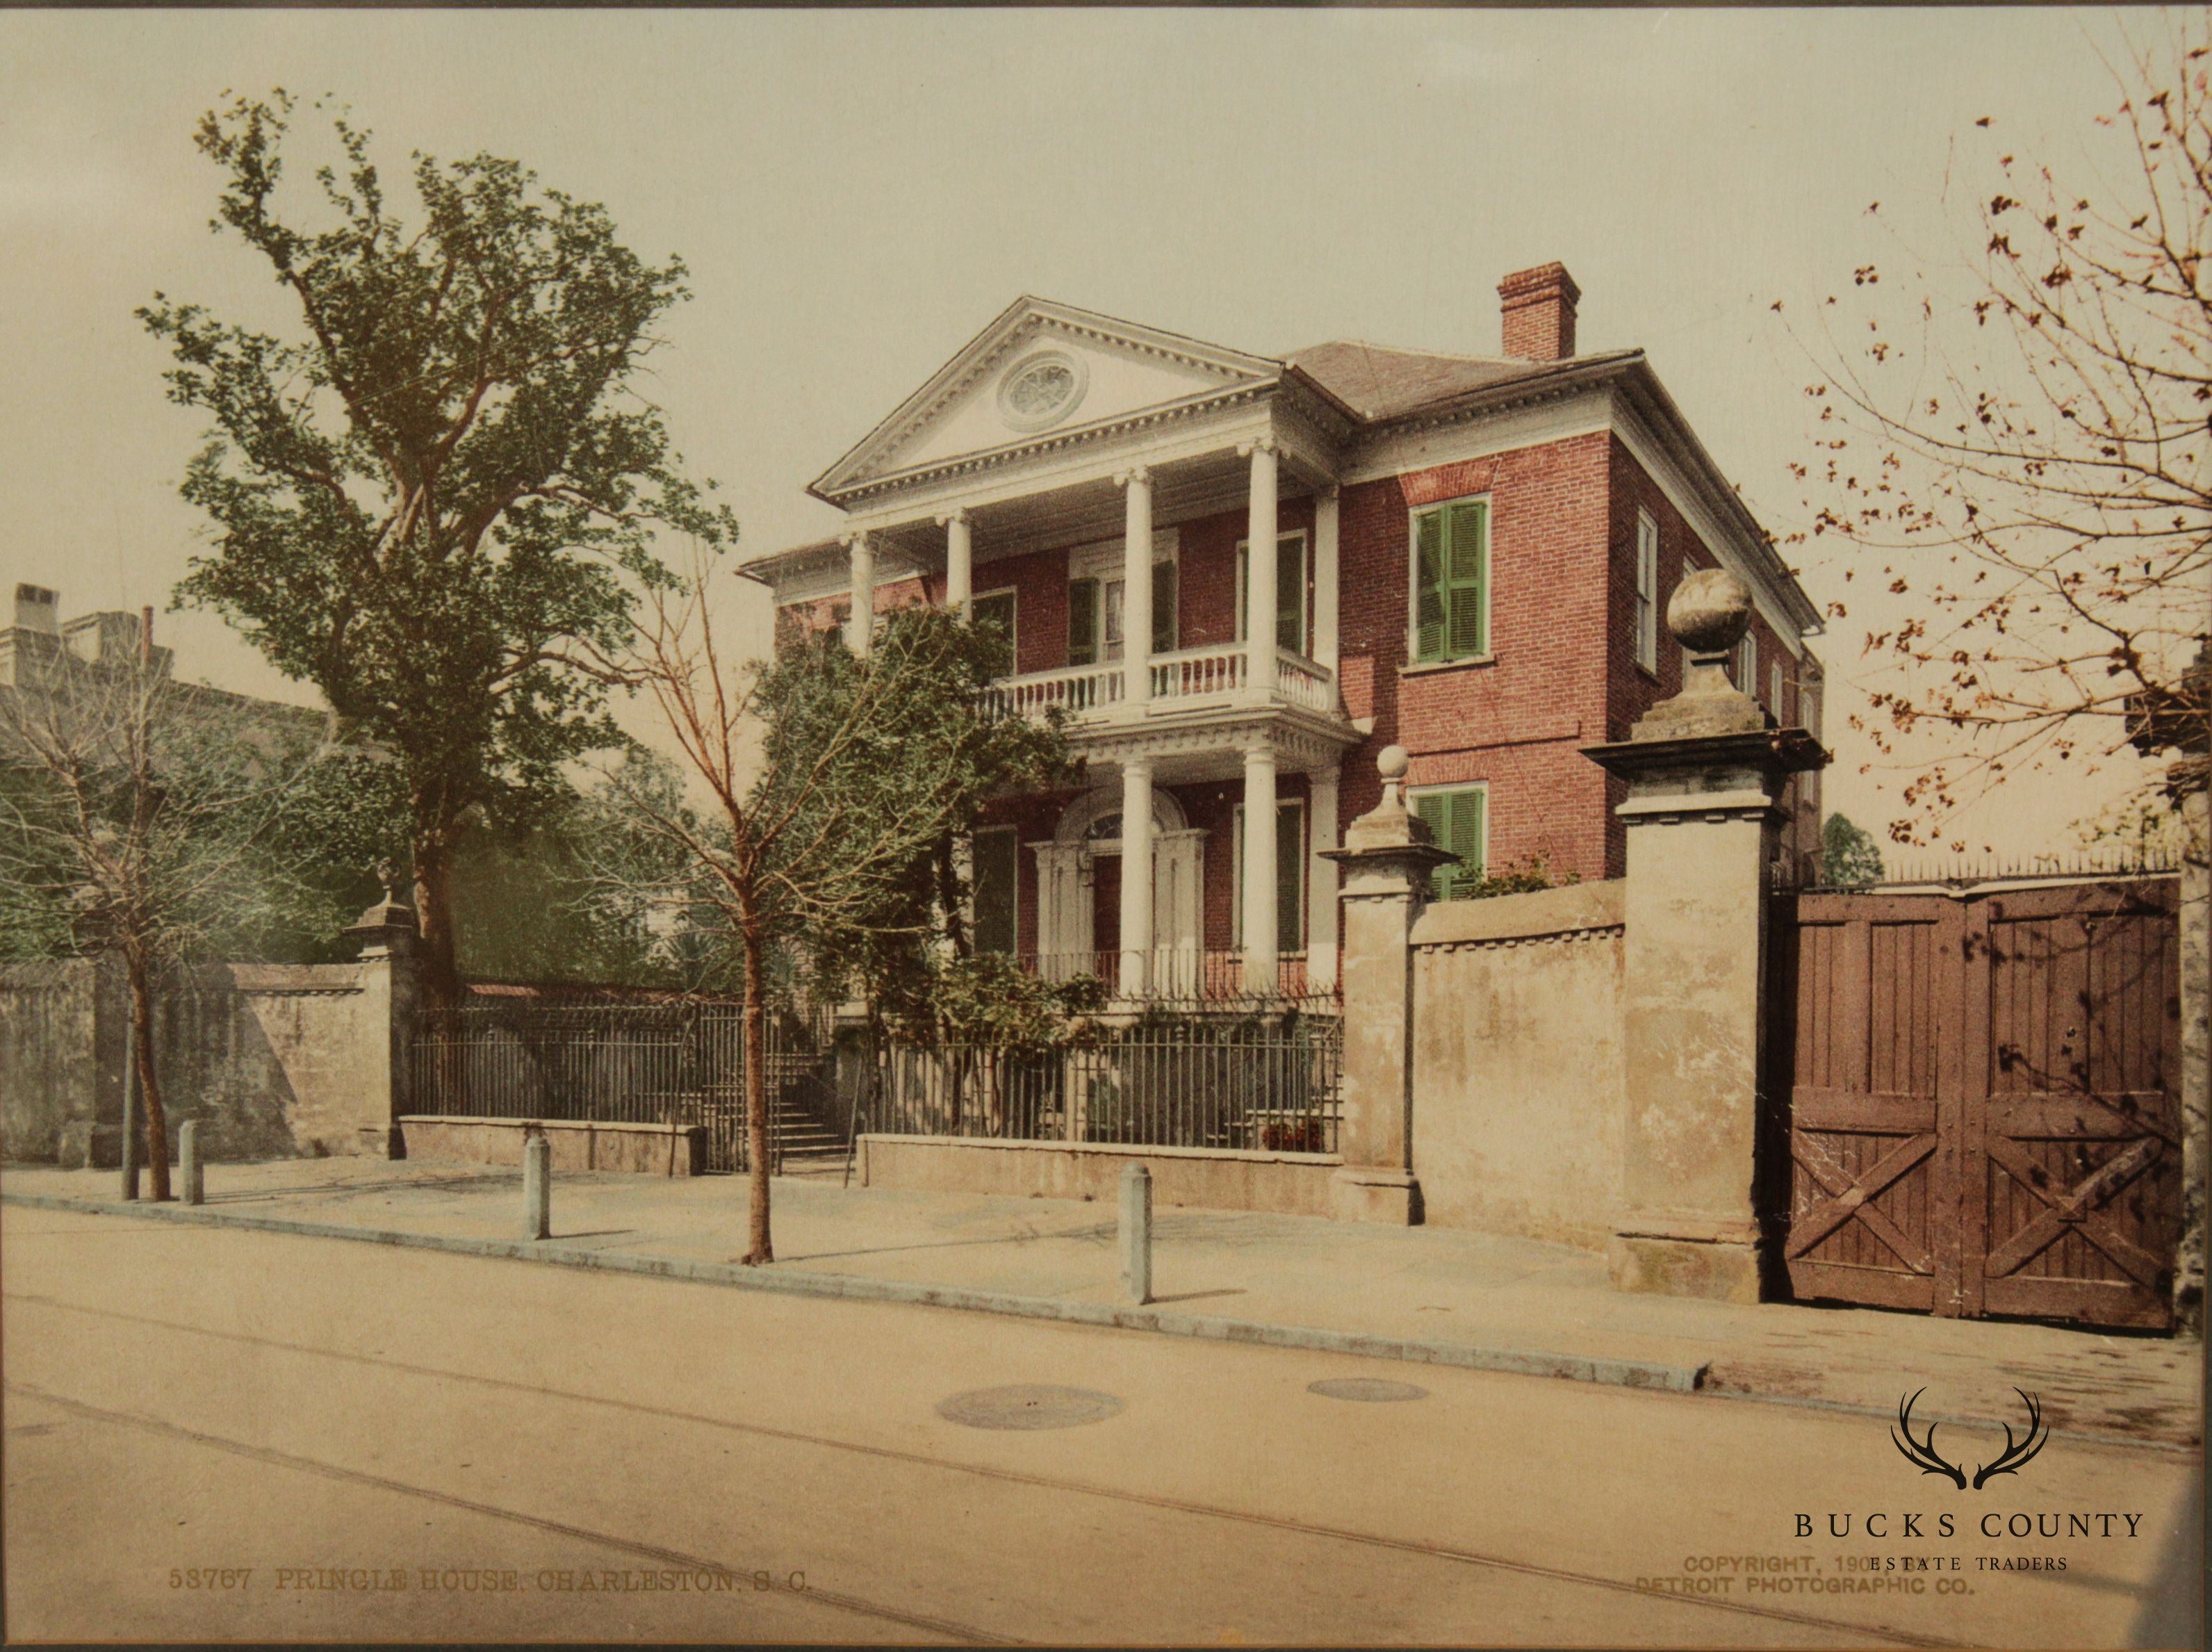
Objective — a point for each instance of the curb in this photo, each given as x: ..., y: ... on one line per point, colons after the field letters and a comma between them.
x: 1575, y: 1368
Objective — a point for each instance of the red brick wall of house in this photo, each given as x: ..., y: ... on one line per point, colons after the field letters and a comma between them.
x: 1519, y: 720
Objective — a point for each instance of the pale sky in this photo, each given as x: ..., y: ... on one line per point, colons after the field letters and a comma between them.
x: 856, y: 194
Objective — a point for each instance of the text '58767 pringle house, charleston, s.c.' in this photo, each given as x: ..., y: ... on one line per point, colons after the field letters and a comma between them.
x: 1242, y: 576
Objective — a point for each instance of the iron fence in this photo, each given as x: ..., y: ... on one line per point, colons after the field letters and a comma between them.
x: 1191, y: 978
x: 1263, y: 1082
x: 1967, y: 870
x: 679, y: 1064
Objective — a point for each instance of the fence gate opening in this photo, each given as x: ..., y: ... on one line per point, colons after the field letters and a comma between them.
x: 1981, y: 1091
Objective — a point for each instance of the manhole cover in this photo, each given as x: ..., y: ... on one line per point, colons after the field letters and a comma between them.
x: 1365, y: 1388
x: 1028, y: 1405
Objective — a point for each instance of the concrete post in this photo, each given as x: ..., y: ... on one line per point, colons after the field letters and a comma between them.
x: 537, y: 1187
x: 1704, y: 772
x: 1389, y: 860
x: 1137, y: 1233
x: 391, y: 980
x: 188, y: 1161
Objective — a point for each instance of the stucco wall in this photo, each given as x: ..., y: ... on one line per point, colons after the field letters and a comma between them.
x: 1518, y: 1068
x: 274, y: 1061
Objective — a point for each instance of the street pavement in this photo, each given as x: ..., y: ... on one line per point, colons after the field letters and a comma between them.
x: 1436, y: 1284
x: 219, y: 1434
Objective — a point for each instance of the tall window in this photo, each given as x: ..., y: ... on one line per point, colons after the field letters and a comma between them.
x: 1290, y: 596
x: 1647, y: 591
x: 996, y: 607
x: 1458, y: 818
x: 1774, y: 690
x: 1451, y: 581
x: 1746, y: 674
x: 1290, y: 876
x: 1096, y: 622
x: 997, y: 874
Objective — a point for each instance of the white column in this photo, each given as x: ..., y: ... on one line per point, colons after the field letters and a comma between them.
x: 1259, y: 939
x: 1321, y: 882
x: 1259, y: 576
x: 1325, y: 648
x: 1137, y: 589
x: 1136, y: 875
x: 959, y: 564
x: 860, y: 625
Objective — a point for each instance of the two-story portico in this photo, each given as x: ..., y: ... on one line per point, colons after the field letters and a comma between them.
x: 1231, y: 569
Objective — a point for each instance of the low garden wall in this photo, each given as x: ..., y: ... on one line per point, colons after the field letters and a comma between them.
x: 642, y: 1148
x: 1284, y: 1184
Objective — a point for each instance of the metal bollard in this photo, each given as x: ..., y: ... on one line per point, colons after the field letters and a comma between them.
x: 1137, y: 1233
x: 188, y: 1161
x: 538, y: 1186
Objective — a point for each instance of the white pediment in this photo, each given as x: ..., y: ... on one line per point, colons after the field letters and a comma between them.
x: 1042, y: 369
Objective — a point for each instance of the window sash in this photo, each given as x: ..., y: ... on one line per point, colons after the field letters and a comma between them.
x: 1458, y: 818
x: 1451, y: 581
x: 1000, y: 608
x: 1647, y: 591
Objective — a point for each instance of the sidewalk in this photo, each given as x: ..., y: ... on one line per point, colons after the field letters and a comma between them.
x: 1447, y: 1295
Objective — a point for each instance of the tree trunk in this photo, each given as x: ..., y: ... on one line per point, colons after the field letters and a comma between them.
x: 433, y: 914
x: 756, y: 1058
x: 150, y: 1085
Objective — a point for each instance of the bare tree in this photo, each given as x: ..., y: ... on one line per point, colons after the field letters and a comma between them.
x: 2017, y: 437
x: 136, y: 818
x: 830, y: 784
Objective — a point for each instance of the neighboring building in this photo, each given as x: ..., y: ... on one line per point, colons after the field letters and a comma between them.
x: 1467, y: 556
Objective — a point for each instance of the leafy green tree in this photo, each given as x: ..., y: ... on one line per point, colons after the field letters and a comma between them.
x: 1850, y: 856
x: 436, y: 500
x: 832, y: 783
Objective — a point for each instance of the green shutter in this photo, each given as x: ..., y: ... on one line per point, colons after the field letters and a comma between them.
x: 1428, y: 586
x: 996, y: 869
x: 1291, y: 592
x: 1082, y: 622
x: 1164, y: 608
x: 1467, y: 578
x: 1456, y: 820
x: 1290, y: 876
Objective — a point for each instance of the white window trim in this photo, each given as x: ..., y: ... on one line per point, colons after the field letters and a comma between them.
x: 1774, y: 689
x: 1016, y: 833
x: 1646, y: 591
x: 1306, y: 596
x: 1236, y: 874
x: 1013, y: 631
x: 1413, y: 516
x: 1747, y: 665
x: 1415, y: 792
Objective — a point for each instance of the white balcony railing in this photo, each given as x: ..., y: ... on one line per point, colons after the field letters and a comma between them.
x: 1073, y: 687
x: 1188, y: 674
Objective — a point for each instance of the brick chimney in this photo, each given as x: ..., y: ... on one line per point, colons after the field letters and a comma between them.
x: 1537, y: 307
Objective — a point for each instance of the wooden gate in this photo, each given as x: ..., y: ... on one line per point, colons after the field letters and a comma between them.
x: 1981, y: 1109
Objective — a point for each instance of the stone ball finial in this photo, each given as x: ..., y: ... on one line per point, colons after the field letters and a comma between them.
x: 1391, y: 763
x: 1710, y: 612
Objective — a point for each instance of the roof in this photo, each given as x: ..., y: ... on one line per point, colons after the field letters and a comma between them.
x: 1379, y: 383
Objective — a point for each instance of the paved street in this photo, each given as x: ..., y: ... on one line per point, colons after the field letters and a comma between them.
x: 305, y: 1423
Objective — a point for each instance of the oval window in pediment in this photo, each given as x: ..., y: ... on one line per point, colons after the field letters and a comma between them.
x: 1040, y: 390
